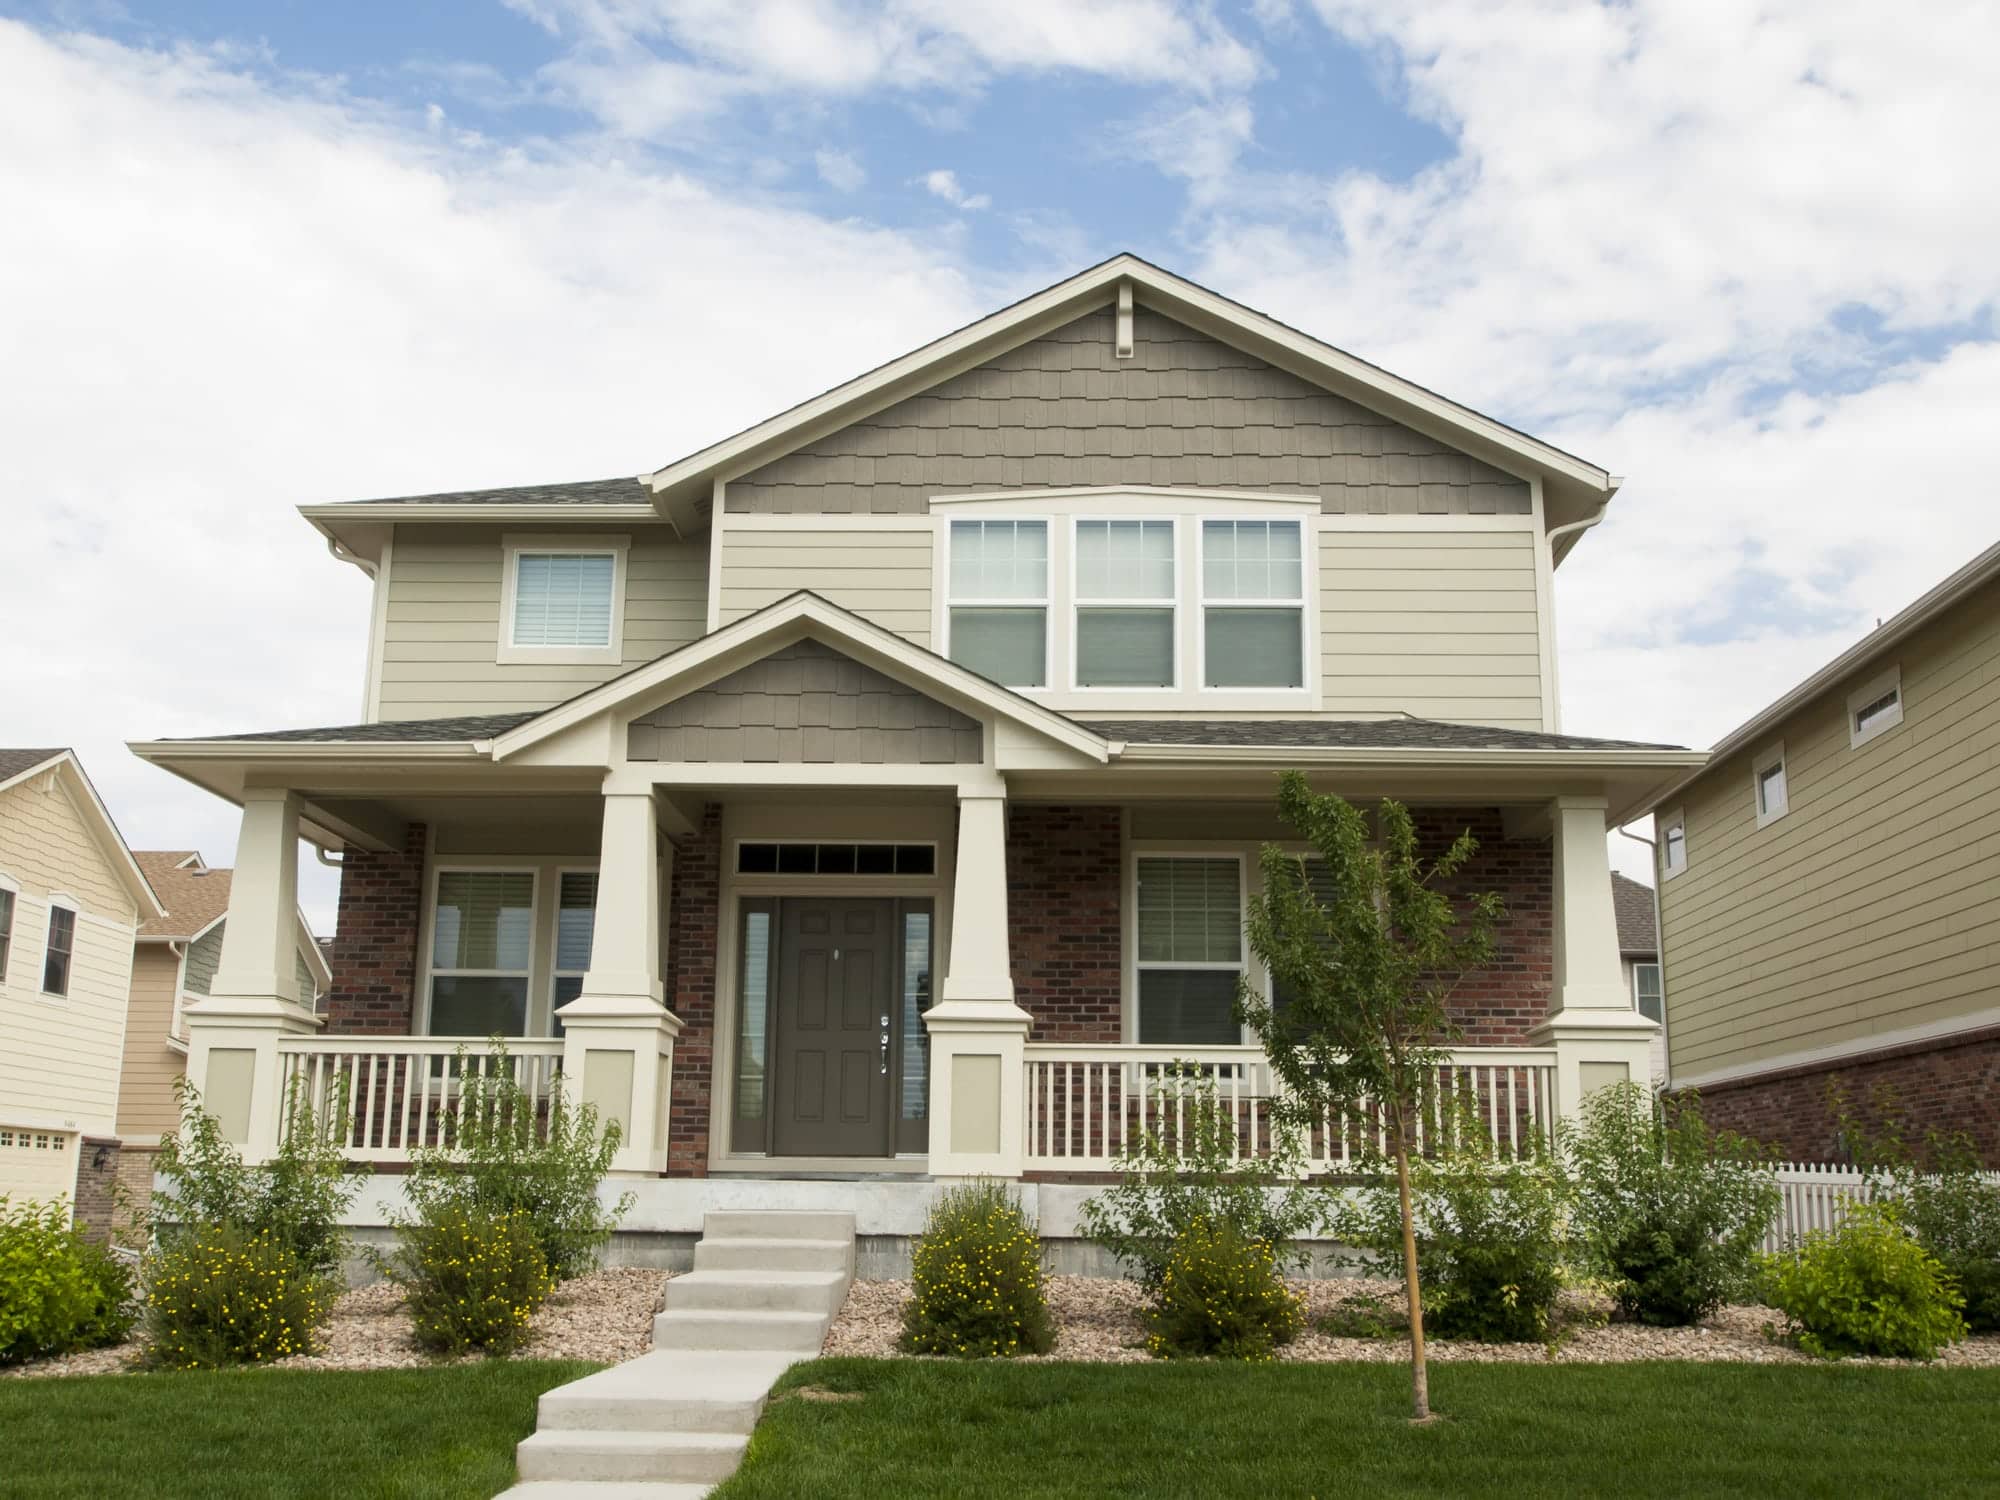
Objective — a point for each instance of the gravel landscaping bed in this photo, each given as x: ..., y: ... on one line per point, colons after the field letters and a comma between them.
x: 604, y: 1316
x: 1098, y: 1318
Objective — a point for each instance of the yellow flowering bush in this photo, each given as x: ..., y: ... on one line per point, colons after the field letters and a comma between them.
x: 978, y: 1274
x: 216, y: 1295
x: 1219, y: 1295
x: 472, y: 1280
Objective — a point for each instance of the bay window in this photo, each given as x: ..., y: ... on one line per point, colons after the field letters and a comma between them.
x: 1125, y: 604
x: 1253, y: 604
x: 482, y: 945
x: 1189, y: 948
x: 999, y: 611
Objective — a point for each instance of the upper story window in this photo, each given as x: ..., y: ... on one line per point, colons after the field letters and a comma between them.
x: 1767, y: 776
x: 1253, y: 604
x: 1875, y: 707
x: 1125, y: 604
x: 999, y: 610
x: 1673, y: 845
x: 6, y: 929
x: 564, y: 599
x: 59, y: 953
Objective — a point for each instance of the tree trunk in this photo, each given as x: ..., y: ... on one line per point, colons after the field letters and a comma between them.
x: 1420, y: 1383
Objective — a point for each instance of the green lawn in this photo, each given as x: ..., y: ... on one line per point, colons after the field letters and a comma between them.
x: 439, y: 1432
x: 974, y: 1430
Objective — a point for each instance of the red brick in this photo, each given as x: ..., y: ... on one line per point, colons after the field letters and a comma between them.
x: 374, y: 958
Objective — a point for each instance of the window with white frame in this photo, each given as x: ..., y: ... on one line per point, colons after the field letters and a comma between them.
x: 1875, y: 707
x: 1767, y: 784
x: 1189, y: 948
x: 999, y: 601
x: 59, y: 952
x: 6, y: 929
x: 1252, y: 604
x: 1673, y: 846
x: 482, y: 950
x: 1126, y: 592
x: 1646, y: 994
x: 576, y: 923
x: 564, y: 600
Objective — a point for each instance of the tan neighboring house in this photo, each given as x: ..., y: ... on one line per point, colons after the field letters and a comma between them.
x: 1830, y: 887
x: 71, y: 902
x: 1639, y: 952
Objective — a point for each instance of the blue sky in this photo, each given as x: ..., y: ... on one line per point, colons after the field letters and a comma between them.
x: 259, y: 255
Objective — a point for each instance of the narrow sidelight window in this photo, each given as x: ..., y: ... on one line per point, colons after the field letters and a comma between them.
x: 1253, y: 604
x: 60, y: 951
x: 563, y: 598
x: 1125, y: 597
x: 1190, y: 949
x: 481, y: 948
x: 999, y: 615
x: 753, y: 1029
x: 1673, y: 849
x: 914, y: 1104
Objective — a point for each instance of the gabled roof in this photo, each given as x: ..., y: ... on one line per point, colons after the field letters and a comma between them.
x: 197, y: 897
x: 1632, y: 904
x: 17, y: 766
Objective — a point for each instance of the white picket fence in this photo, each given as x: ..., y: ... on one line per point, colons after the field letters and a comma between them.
x: 1814, y: 1196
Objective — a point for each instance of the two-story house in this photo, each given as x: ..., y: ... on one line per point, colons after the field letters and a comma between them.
x: 876, y: 792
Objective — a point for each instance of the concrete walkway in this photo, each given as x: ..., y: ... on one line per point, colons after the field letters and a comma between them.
x: 671, y: 1424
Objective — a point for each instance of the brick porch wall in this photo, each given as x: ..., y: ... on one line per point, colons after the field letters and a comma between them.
x: 1498, y: 1005
x: 374, y: 959
x: 1949, y: 1084
x: 1063, y: 883
x: 694, y: 910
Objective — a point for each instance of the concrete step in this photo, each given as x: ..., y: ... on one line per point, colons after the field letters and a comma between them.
x: 776, y: 1224
x: 678, y: 1390
x: 683, y: 1457
x: 605, y: 1489
x: 716, y: 1328
x: 762, y: 1253
x: 759, y: 1291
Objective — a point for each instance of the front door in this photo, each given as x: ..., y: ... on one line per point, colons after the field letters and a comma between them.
x: 835, y: 994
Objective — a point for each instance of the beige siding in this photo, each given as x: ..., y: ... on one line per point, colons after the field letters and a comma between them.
x: 441, y: 631
x: 1873, y: 905
x: 1440, y: 624
x: 146, y: 1091
x: 883, y: 576
x: 1185, y: 409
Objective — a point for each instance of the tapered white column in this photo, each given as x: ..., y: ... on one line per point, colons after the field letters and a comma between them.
x: 979, y: 967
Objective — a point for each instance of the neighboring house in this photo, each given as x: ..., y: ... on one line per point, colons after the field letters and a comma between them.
x: 174, y: 961
x: 71, y: 899
x: 1639, y: 951
x: 877, y: 792
x: 1830, y: 887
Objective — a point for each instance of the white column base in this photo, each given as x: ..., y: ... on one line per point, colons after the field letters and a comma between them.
x: 618, y: 1055
x: 1596, y: 1048
x: 234, y: 1065
x: 978, y: 1068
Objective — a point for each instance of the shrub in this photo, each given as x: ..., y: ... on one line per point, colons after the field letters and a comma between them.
x: 472, y: 1280
x: 515, y: 1153
x: 1941, y: 1197
x: 1865, y: 1288
x: 978, y: 1274
x: 1669, y: 1212
x: 297, y: 1198
x: 1365, y: 1315
x: 1186, y: 1166
x: 59, y: 1291
x: 216, y: 1295
x: 1220, y: 1295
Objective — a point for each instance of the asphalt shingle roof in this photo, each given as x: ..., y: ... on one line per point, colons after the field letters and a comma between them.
x: 193, y: 897
x: 14, y: 762
x: 1633, y: 904
x: 1355, y: 734
x: 625, y: 491
x: 394, y: 732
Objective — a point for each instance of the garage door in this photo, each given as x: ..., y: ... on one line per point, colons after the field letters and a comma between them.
x: 39, y: 1164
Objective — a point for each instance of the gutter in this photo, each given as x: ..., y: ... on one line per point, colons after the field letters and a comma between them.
x: 1326, y: 755
x: 1577, y: 528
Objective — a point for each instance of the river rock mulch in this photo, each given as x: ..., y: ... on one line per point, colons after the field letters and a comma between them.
x: 1099, y: 1318
x: 605, y: 1316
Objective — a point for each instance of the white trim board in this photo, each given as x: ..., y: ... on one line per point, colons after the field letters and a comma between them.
x: 1832, y: 1052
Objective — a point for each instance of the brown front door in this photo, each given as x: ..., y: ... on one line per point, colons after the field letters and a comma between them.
x: 835, y: 993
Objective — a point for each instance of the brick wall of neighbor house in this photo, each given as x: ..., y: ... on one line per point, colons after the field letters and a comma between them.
x: 374, y: 959
x: 135, y: 1188
x: 1063, y: 885
x: 1947, y: 1084
x: 95, y: 1201
x: 693, y: 911
x: 1499, y: 1004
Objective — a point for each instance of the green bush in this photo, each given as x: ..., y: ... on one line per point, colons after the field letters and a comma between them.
x: 1865, y: 1288
x: 216, y: 1295
x: 59, y: 1291
x: 471, y: 1280
x: 296, y: 1199
x: 515, y: 1153
x: 1186, y: 1167
x: 1220, y: 1295
x: 1670, y: 1213
x: 978, y: 1274
x: 1950, y: 1206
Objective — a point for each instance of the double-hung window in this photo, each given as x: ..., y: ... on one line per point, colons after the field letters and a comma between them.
x: 1189, y: 949
x: 1253, y: 604
x: 1125, y: 596
x: 576, y: 922
x: 482, y: 946
x: 1646, y: 992
x: 563, y: 600
x: 6, y: 930
x: 999, y: 622
x: 59, y: 952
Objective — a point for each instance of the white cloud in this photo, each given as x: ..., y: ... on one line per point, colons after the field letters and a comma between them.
x: 943, y: 183
x: 840, y: 170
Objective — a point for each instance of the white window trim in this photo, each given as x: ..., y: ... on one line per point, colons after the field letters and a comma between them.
x: 13, y: 888
x: 535, y: 1012
x: 1772, y: 755
x: 1867, y: 693
x: 1668, y: 823
x: 1203, y: 604
x: 1077, y: 604
x: 58, y: 901
x: 512, y: 546
x: 1129, y: 897
x: 1637, y: 965
x: 1046, y: 603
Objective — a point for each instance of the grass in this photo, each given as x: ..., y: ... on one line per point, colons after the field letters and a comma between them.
x: 447, y: 1431
x: 1266, y: 1432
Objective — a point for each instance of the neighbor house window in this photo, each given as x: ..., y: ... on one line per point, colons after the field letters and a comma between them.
x: 576, y: 921
x: 1646, y: 991
x: 482, y: 944
x: 6, y: 930
x: 1767, y: 776
x: 1673, y: 846
x: 1253, y: 604
x: 1125, y: 596
x: 1189, y: 914
x: 563, y: 602
x: 60, y: 950
x: 999, y: 617
x: 1875, y: 707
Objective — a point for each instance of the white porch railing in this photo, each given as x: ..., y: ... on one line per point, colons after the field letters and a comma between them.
x: 1085, y: 1103
x: 403, y: 1092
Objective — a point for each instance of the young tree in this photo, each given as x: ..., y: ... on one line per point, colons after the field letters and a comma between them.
x: 1366, y: 952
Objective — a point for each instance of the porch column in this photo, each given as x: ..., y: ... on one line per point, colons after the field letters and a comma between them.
x: 977, y: 1031
x: 253, y: 1001
x: 1599, y: 1037
x: 618, y: 1036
